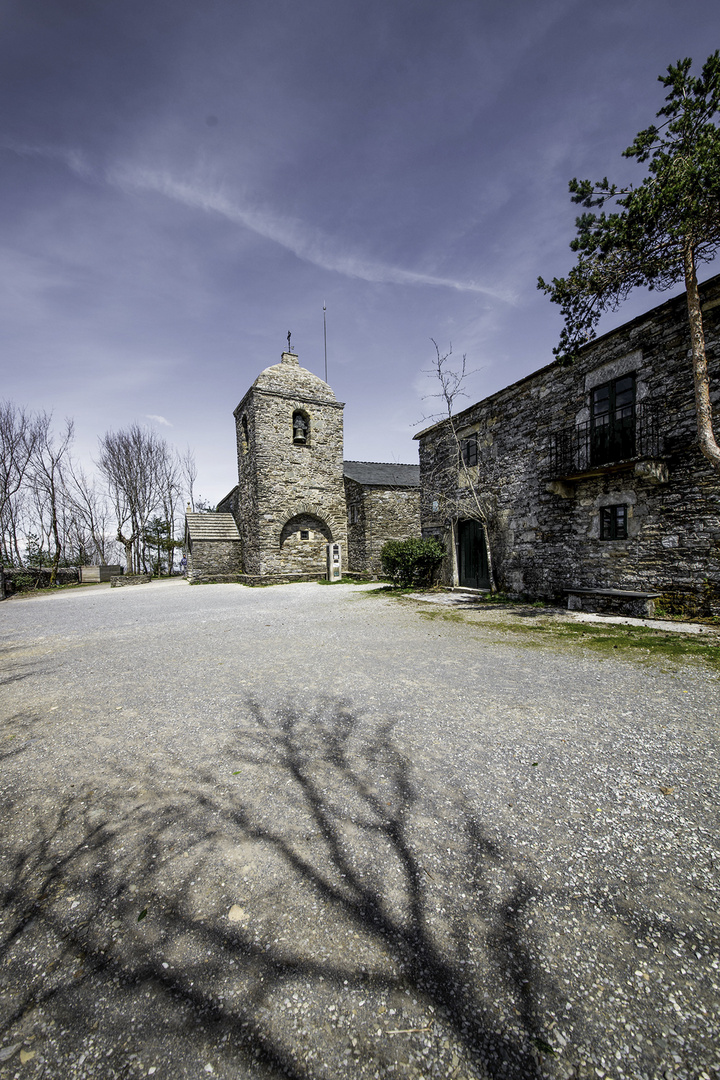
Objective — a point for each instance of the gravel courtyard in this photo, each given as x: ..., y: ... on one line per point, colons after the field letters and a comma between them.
x: 319, y: 832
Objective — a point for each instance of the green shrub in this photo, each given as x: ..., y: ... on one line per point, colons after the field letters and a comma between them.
x: 411, y: 562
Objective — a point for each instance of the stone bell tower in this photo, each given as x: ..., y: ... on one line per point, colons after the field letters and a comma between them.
x: 291, y: 494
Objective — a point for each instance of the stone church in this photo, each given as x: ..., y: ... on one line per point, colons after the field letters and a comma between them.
x: 295, y: 494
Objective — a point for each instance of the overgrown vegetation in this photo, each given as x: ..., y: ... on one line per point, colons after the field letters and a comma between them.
x: 412, y: 563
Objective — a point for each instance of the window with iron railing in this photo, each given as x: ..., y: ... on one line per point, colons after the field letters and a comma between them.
x: 612, y: 421
x: 618, y: 430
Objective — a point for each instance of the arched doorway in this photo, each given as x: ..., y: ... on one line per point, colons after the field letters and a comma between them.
x: 302, y: 544
x: 472, y: 556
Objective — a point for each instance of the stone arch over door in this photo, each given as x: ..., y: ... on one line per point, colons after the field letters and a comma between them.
x: 315, y: 510
x: 302, y: 544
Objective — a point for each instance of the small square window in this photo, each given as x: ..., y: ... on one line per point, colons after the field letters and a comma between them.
x: 304, y: 534
x: 613, y: 522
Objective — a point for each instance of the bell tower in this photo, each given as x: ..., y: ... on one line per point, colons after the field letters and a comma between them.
x: 291, y: 493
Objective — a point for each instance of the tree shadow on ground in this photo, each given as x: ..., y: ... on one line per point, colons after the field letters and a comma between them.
x: 300, y: 907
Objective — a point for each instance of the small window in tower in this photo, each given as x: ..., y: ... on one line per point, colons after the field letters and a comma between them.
x: 300, y: 429
x: 245, y: 436
x: 304, y: 534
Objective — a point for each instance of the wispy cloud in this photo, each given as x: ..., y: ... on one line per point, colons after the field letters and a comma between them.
x: 158, y: 419
x: 311, y: 245
x: 75, y: 160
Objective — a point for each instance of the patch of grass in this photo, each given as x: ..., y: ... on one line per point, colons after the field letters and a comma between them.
x: 608, y: 641
x: 630, y: 642
x: 45, y: 589
x: 344, y: 581
x: 447, y: 616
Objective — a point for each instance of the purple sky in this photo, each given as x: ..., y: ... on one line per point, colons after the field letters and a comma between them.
x: 183, y: 182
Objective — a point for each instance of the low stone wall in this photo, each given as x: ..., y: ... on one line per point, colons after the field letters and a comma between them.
x: 129, y: 579
x: 35, y: 578
x: 255, y: 579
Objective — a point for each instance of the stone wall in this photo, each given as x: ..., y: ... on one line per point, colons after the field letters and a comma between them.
x: 120, y: 581
x: 382, y: 514
x: 213, y: 558
x: 356, y: 530
x: 545, y: 524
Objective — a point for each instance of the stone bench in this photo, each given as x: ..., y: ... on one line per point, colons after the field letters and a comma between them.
x: 641, y: 605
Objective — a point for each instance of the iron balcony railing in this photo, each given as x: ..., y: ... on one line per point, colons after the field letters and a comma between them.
x: 630, y: 432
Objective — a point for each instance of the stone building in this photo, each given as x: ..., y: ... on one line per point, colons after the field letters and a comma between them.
x: 588, y: 475
x: 383, y: 503
x: 212, y: 546
x: 294, y: 489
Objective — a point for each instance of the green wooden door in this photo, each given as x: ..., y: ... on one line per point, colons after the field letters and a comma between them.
x: 472, y: 559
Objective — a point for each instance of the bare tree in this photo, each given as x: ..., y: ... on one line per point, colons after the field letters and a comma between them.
x: 90, y: 512
x: 18, y: 438
x: 48, y: 463
x: 189, y: 474
x: 129, y: 463
x: 139, y: 469
x: 459, y: 472
x: 171, y: 493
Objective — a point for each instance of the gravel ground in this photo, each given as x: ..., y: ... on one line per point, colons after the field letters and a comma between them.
x: 312, y: 832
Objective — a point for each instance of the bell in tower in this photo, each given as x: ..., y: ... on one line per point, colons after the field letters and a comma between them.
x: 300, y: 428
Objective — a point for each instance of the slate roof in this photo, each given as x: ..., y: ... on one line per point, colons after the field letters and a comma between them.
x: 212, y: 527
x: 382, y: 474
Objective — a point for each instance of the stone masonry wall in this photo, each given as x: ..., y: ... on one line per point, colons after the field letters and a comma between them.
x: 210, y: 558
x: 356, y: 541
x: 545, y: 530
x: 383, y: 513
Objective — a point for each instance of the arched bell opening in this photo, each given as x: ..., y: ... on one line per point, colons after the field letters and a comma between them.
x: 301, y: 428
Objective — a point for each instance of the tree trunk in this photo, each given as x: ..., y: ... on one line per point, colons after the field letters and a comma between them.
x: 488, y: 556
x: 127, y: 543
x: 56, y: 535
x: 703, y: 407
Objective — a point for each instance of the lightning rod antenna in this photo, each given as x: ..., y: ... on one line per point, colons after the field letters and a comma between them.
x: 325, y: 337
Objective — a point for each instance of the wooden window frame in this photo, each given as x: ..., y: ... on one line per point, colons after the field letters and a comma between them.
x: 469, y: 451
x: 614, y: 522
